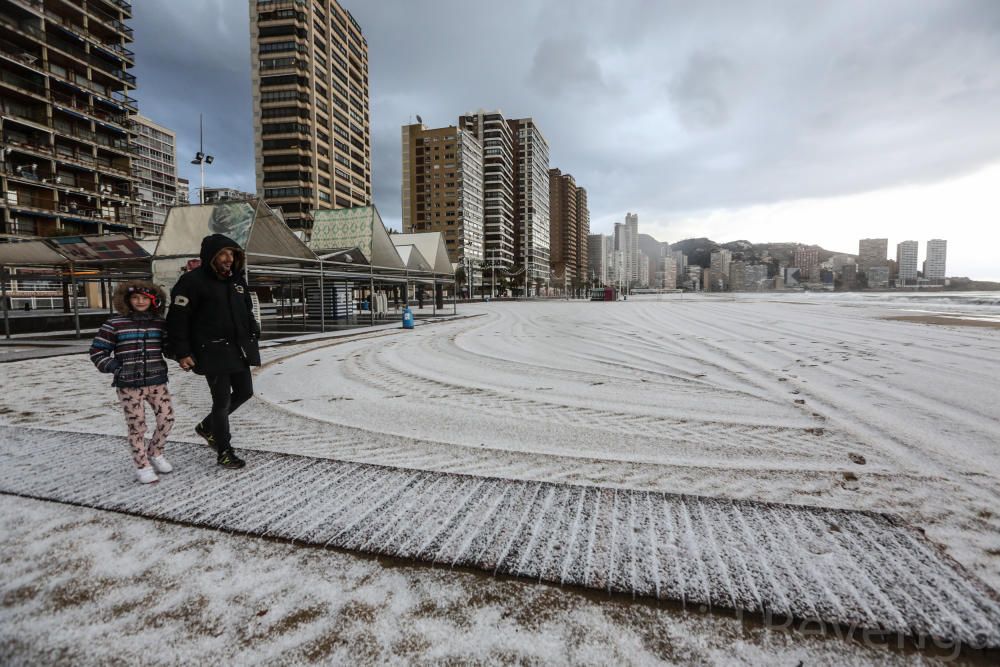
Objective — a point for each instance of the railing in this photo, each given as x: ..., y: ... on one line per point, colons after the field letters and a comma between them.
x: 125, y: 100
x: 119, y: 49
x: 28, y: 146
x: 86, y: 135
x: 17, y: 113
x: 35, y: 4
x: 70, y: 101
x: 21, y: 82
x: 33, y: 201
x: 272, y: 5
x: 18, y: 52
x: 112, y: 142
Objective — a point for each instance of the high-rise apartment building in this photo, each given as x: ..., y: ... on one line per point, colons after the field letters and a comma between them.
x: 154, y: 164
x: 531, y: 199
x: 493, y: 131
x: 718, y: 270
x: 872, y: 252
x: 64, y: 111
x: 632, y: 222
x: 216, y: 195
x: 312, y: 131
x: 183, y: 191
x: 934, y: 263
x: 563, y: 227
x: 682, y: 264
x: 906, y: 262
x: 663, y: 269
x: 624, y: 259
x: 597, y: 258
x: 582, y: 232
x: 443, y: 189
x: 806, y: 259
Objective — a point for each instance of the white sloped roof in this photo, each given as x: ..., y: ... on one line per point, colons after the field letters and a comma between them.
x: 412, y: 258
x: 431, y: 246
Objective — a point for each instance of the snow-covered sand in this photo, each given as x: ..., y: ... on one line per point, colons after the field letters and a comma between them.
x: 766, y: 398
x: 812, y: 399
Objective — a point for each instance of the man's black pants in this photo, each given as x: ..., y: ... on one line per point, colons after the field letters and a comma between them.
x: 229, y: 391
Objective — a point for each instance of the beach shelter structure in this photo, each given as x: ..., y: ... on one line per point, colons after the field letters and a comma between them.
x: 432, y: 248
x: 93, y: 261
x: 271, y: 247
x: 412, y: 258
x: 360, y: 227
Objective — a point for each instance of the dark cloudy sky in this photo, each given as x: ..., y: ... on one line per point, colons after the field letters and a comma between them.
x: 820, y: 122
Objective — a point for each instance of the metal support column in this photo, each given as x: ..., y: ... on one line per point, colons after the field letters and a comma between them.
x: 3, y: 288
x: 76, y: 302
x: 305, y: 321
x: 322, y: 300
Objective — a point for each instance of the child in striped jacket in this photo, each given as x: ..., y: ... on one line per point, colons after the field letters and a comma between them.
x: 130, y: 345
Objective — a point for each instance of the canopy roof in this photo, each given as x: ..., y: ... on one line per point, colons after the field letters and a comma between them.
x: 431, y: 246
x: 69, y: 249
x: 252, y: 224
x: 28, y: 253
x: 412, y: 258
x: 348, y: 255
x: 360, y: 227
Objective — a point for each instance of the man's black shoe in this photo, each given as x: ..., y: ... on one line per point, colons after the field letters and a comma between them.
x: 228, y: 459
x: 205, y: 433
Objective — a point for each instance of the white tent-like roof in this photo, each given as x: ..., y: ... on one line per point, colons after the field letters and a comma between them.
x: 252, y: 224
x: 412, y: 258
x: 431, y: 247
x: 360, y: 227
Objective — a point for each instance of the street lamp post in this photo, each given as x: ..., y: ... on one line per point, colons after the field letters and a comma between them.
x: 201, y: 159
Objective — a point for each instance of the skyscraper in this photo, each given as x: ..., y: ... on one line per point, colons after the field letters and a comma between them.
x: 531, y: 199
x: 312, y: 132
x: 718, y: 271
x: 806, y: 259
x: 582, y: 232
x: 443, y: 188
x: 872, y: 252
x: 563, y: 228
x: 65, y: 106
x: 494, y: 133
x: 597, y: 258
x: 632, y: 222
x: 624, y: 259
x: 154, y: 164
x: 934, y: 265
x: 906, y: 261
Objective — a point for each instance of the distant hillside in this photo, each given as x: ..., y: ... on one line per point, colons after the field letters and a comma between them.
x: 649, y: 245
x: 699, y: 251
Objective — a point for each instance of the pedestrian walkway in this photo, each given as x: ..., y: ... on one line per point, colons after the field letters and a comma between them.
x: 842, y: 567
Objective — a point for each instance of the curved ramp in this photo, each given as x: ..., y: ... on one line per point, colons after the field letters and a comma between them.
x: 842, y: 567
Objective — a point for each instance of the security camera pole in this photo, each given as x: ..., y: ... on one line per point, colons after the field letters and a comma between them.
x: 201, y: 159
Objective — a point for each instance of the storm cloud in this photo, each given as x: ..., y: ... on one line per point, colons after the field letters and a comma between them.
x: 660, y: 107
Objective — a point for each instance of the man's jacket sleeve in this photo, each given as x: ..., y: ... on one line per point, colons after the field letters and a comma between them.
x: 254, y: 324
x: 183, y: 304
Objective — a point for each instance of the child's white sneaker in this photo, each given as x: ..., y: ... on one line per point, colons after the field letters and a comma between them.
x: 146, y: 475
x: 161, y: 464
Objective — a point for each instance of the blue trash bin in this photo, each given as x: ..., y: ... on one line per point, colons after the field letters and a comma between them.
x: 407, y: 318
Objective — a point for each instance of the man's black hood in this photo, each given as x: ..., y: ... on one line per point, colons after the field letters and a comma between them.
x: 215, y: 243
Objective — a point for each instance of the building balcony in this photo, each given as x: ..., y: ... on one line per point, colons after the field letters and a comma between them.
x: 61, y: 99
x: 22, y: 84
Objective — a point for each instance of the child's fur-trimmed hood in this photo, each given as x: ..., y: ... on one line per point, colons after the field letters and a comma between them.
x: 121, y: 296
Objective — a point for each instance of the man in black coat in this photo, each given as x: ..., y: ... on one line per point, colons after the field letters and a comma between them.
x: 212, y: 331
